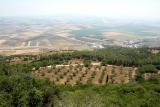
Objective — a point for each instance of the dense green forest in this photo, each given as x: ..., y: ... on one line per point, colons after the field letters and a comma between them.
x: 111, y: 55
x: 137, y: 57
x: 19, y: 88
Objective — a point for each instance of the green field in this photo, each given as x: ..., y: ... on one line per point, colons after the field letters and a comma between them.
x: 131, y: 32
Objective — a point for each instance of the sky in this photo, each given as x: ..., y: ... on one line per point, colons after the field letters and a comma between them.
x: 138, y: 9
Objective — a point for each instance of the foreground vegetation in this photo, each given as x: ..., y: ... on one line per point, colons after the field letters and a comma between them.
x: 19, y: 88
x: 26, y: 91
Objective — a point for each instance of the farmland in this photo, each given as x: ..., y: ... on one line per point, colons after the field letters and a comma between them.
x: 68, y: 33
x: 79, y: 74
x: 108, y: 77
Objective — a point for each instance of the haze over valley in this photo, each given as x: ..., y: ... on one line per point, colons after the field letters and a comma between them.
x: 76, y: 33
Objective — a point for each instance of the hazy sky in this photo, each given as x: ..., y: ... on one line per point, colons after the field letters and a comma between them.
x: 148, y: 9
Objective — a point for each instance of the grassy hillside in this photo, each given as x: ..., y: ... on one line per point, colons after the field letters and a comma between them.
x: 19, y: 88
x: 22, y: 90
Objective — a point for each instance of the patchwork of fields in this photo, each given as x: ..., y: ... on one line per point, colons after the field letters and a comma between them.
x: 75, y: 34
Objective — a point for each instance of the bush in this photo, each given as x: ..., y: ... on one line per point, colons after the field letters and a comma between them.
x: 148, y: 69
x: 24, y: 91
x: 87, y: 63
x: 139, y: 78
x: 158, y: 67
x: 154, y: 80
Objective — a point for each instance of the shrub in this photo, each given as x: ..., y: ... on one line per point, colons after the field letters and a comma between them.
x: 148, y: 69
x: 87, y: 63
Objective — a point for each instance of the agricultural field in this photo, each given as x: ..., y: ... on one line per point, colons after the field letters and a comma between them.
x: 74, y: 34
x: 111, y: 77
x: 79, y: 74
